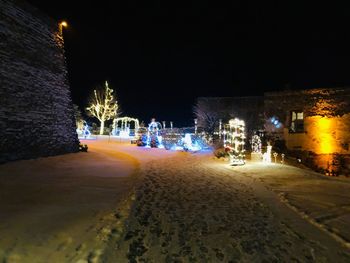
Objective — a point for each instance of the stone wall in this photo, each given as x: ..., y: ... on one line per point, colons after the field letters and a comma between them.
x: 326, y: 118
x: 314, y: 102
x: 36, y: 111
x: 323, y: 135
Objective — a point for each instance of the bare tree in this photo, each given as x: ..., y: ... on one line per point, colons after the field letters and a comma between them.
x: 103, y: 105
x: 207, y: 117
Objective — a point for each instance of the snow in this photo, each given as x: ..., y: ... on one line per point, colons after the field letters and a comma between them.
x: 121, y: 203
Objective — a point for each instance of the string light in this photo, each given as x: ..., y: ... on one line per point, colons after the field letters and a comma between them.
x: 124, y: 130
x: 256, y: 144
x: 267, y: 155
x: 234, y: 137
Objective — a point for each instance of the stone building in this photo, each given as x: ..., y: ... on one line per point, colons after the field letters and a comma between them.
x: 36, y: 111
x: 315, y: 120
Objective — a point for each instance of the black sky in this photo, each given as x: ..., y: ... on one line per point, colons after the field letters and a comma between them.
x: 159, y: 56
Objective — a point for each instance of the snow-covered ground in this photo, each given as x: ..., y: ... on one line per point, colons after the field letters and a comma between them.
x: 186, y: 208
x: 191, y: 208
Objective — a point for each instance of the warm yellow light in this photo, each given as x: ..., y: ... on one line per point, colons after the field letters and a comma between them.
x: 64, y: 24
x: 324, y: 133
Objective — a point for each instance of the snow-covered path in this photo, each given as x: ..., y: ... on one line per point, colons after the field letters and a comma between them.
x: 191, y: 208
x: 186, y: 208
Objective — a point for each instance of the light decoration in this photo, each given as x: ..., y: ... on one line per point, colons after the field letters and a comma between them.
x: 153, y: 137
x: 256, y: 144
x: 123, y: 130
x: 283, y: 155
x: 267, y: 155
x: 234, y: 141
x: 275, y: 156
x: 86, y: 130
x: 188, y: 145
x: 103, y: 106
x: 276, y: 122
x: 195, y: 126
x: 220, y: 129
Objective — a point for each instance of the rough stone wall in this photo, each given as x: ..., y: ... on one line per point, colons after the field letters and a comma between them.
x: 36, y: 111
x: 323, y: 135
x: 314, y: 102
x: 326, y: 118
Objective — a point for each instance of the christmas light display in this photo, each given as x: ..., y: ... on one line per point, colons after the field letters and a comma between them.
x: 189, y: 145
x: 123, y: 130
x: 283, y: 155
x: 276, y: 122
x: 86, y: 130
x: 153, y: 137
x: 256, y: 154
x: 103, y: 106
x: 267, y: 155
x: 234, y: 141
x: 256, y: 144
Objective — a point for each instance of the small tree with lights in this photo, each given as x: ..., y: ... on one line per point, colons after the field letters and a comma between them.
x: 234, y: 141
x: 103, y: 105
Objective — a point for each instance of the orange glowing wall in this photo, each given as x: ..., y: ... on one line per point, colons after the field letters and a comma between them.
x: 323, y: 135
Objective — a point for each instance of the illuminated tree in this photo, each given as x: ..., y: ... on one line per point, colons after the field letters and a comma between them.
x: 103, y: 105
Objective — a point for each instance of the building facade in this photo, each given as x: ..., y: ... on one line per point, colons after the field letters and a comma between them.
x: 315, y: 120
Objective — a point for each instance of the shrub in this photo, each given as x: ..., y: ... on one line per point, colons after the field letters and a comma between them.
x: 83, y: 147
x: 221, y: 152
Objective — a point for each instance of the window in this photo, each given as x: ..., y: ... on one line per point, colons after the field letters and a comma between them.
x: 297, y: 121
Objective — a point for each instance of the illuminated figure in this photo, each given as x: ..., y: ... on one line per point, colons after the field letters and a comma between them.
x: 188, y: 145
x: 86, y: 131
x: 256, y: 154
x: 256, y: 144
x: 267, y: 155
x: 154, y: 139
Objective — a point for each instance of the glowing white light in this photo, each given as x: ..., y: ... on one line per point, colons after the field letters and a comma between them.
x: 267, y: 155
x: 123, y: 130
x: 256, y: 144
x: 234, y: 141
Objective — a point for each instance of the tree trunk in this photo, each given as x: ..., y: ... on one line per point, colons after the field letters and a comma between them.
x: 102, y: 127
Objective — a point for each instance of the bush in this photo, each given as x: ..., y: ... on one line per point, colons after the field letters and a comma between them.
x: 83, y: 147
x: 219, y: 153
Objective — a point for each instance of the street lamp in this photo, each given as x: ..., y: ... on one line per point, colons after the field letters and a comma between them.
x: 61, y: 25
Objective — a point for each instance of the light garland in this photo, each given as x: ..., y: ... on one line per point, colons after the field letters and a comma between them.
x: 124, y: 130
x: 256, y: 144
x: 267, y: 155
x: 234, y: 137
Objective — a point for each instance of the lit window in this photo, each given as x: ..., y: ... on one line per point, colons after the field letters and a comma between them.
x: 297, y: 122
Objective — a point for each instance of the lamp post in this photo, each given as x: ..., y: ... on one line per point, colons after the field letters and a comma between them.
x: 61, y: 25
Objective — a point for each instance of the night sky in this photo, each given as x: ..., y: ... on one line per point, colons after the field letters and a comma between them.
x: 159, y: 57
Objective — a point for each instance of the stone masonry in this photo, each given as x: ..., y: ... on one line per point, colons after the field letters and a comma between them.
x: 36, y: 110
